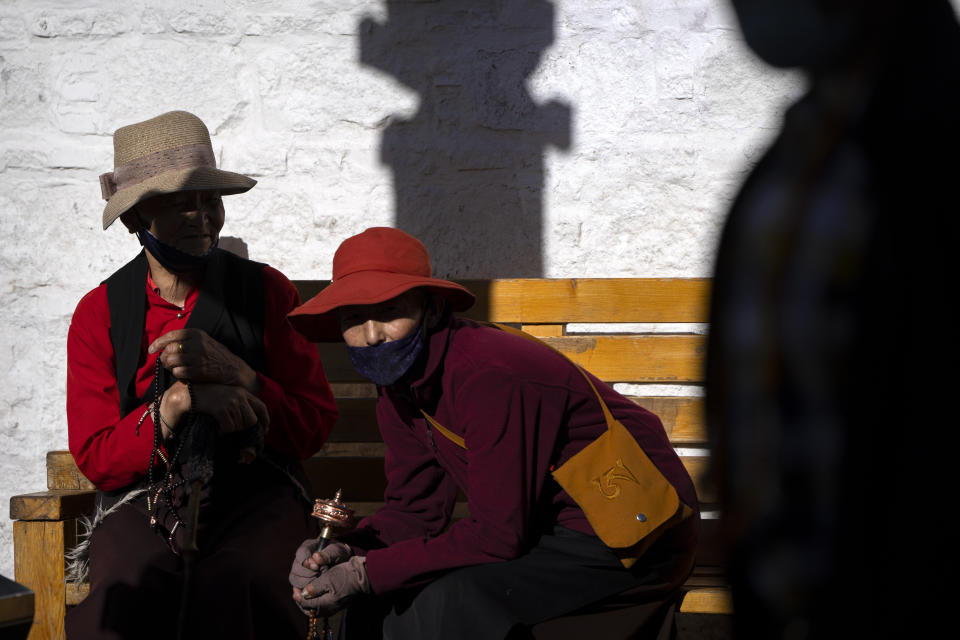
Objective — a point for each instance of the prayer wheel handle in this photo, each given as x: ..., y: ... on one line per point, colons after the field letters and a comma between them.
x: 335, y: 515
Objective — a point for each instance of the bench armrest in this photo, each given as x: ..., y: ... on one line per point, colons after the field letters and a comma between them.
x: 53, y: 504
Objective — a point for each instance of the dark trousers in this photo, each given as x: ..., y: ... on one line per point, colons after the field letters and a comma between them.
x: 564, y: 572
x: 247, y: 539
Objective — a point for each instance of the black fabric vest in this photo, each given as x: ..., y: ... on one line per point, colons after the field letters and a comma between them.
x: 230, y: 308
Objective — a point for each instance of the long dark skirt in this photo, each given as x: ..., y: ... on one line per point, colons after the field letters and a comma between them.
x: 565, y: 572
x: 247, y: 539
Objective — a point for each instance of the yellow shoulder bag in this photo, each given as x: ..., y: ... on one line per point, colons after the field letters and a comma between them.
x: 625, y: 498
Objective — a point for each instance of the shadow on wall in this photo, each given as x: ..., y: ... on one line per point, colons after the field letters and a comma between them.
x: 468, y: 167
x: 236, y: 246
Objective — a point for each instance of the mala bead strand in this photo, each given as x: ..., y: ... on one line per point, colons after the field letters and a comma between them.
x: 162, y: 490
x: 158, y: 370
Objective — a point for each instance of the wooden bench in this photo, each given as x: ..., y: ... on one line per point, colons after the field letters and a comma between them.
x: 583, y: 318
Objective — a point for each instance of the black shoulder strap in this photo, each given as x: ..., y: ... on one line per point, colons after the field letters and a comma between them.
x: 127, y: 301
x: 230, y: 307
x: 247, y: 292
x: 211, y: 301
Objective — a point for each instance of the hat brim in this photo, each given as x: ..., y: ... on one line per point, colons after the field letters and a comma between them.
x: 317, y: 318
x: 195, y: 179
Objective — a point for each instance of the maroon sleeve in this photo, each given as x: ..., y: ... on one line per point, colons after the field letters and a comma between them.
x: 297, y: 394
x: 501, y: 417
x: 109, y: 449
x: 420, y: 495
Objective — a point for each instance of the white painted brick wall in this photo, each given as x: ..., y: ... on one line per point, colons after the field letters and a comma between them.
x: 666, y: 113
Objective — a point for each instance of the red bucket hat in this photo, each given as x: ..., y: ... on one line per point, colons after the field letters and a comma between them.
x: 373, y: 266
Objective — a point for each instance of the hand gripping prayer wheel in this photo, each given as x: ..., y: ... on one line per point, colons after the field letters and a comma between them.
x: 335, y: 516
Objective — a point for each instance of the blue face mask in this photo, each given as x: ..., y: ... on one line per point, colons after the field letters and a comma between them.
x: 387, y: 362
x: 170, y: 257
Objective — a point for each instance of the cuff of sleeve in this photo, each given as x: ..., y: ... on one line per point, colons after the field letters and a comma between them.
x: 278, y: 437
x: 397, y: 566
x: 378, y: 574
x: 108, y: 470
x: 142, y: 445
x: 270, y: 392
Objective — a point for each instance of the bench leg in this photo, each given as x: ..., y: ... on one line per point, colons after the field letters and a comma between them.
x: 38, y: 559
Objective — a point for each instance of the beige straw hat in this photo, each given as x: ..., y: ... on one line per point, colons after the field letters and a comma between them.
x: 166, y: 154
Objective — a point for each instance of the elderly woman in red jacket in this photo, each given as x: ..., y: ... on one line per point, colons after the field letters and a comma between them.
x: 481, y: 409
x: 187, y: 387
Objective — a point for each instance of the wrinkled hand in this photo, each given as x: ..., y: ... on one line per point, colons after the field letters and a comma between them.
x: 333, y: 590
x: 235, y: 409
x: 191, y: 354
x: 310, y: 563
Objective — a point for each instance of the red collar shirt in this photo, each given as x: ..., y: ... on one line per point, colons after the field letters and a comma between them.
x: 108, y: 446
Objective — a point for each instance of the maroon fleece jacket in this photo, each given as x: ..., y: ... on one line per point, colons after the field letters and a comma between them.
x: 523, y: 410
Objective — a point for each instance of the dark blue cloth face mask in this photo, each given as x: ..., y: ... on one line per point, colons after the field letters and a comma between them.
x: 385, y: 363
x: 170, y: 257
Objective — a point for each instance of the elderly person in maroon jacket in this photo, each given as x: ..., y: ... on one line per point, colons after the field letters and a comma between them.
x: 475, y: 408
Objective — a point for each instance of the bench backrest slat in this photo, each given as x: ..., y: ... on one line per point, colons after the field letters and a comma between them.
x: 612, y: 358
x: 553, y: 301
x: 682, y: 418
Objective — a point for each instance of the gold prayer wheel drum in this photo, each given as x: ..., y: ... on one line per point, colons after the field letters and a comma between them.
x: 334, y: 514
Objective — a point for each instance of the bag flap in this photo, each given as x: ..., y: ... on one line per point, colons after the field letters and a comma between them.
x: 621, y: 491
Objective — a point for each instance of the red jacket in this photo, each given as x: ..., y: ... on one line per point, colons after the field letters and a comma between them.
x: 522, y: 410
x: 106, y: 444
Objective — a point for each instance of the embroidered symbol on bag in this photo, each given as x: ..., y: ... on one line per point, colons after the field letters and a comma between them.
x: 605, y: 482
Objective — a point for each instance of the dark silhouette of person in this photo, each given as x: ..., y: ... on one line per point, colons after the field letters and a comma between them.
x: 827, y: 384
x: 468, y: 166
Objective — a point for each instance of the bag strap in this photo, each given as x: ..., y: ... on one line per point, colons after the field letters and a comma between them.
x: 446, y: 433
x: 460, y: 442
x: 607, y: 415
